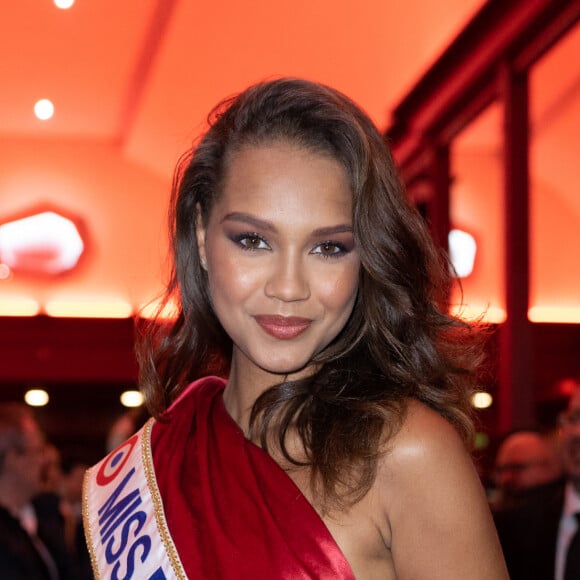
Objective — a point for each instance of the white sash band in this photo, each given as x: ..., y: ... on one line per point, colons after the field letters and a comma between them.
x: 123, y: 516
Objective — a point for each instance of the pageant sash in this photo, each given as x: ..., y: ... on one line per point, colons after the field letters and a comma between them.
x: 123, y: 516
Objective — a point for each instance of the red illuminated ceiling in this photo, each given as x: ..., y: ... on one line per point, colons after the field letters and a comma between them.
x: 132, y: 83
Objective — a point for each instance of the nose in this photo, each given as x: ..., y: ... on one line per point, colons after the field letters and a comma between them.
x: 288, y: 279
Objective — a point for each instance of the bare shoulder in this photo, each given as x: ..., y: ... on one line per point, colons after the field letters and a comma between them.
x: 424, y: 460
x: 439, y: 524
x: 424, y: 439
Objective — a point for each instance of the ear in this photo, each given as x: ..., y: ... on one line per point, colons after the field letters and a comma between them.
x: 200, y: 232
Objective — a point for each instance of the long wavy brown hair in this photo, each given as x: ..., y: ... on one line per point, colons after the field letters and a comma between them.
x: 399, y: 343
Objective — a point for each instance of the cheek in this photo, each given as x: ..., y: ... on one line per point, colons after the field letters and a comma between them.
x: 230, y: 277
x: 339, y: 291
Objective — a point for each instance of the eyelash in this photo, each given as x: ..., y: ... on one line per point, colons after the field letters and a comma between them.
x: 342, y: 250
x: 239, y: 239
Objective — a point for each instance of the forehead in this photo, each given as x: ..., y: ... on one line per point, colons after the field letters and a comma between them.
x: 522, y: 446
x: 286, y: 175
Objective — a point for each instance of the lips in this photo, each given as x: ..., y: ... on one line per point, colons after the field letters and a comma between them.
x: 283, y: 327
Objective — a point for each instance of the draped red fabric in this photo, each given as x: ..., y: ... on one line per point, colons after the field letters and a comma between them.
x: 231, y: 510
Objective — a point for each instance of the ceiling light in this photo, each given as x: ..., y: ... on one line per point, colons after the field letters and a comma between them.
x: 488, y: 313
x: 64, y: 4
x: 36, y: 397
x: 88, y: 309
x: 556, y: 314
x: 462, y: 248
x: 19, y: 307
x: 131, y: 399
x: 44, y: 109
x: 481, y: 400
x: 45, y: 243
x: 154, y: 309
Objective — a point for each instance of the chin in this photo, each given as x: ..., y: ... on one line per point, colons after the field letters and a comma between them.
x: 292, y: 370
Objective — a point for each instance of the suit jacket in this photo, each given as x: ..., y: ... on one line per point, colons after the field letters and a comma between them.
x: 19, y: 558
x: 528, y: 533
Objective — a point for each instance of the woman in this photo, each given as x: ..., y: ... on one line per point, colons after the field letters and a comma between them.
x: 334, y: 447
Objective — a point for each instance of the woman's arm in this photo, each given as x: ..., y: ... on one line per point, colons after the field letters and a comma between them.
x: 439, y: 519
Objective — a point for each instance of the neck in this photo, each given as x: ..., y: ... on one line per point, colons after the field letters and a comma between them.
x: 241, y: 393
x: 247, y: 382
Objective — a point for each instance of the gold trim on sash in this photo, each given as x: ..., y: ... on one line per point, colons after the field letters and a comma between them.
x: 87, y: 523
x: 147, y: 457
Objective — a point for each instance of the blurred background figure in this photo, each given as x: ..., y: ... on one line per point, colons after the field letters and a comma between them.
x: 524, y: 460
x: 31, y: 536
x: 540, y: 536
x: 73, y: 469
x: 125, y: 425
x: 51, y: 475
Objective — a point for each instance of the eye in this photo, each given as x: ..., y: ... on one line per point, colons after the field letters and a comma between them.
x: 329, y: 249
x: 252, y: 242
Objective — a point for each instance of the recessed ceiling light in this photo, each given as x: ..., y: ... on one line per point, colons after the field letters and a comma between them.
x: 131, y: 398
x: 36, y: 397
x: 462, y: 249
x: 64, y: 4
x: 88, y: 308
x: 44, y: 109
x: 19, y: 306
x: 481, y: 400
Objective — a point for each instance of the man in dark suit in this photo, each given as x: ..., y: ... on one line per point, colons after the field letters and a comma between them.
x: 31, y: 536
x: 537, y: 535
x: 528, y: 532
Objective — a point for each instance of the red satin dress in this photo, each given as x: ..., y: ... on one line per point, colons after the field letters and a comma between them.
x: 231, y: 510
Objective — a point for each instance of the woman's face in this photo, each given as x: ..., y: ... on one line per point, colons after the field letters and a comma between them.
x: 280, y: 256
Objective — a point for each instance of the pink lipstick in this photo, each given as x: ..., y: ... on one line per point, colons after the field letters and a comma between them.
x: 283, y: 327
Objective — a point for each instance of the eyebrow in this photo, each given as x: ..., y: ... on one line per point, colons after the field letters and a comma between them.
x: 268, y: 226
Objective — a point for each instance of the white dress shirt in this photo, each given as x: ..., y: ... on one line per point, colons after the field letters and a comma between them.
x: 29, y: 521
x: 567, y: 529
